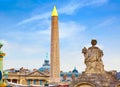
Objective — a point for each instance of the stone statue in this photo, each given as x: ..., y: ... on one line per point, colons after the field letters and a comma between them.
x: 93, y: 59
x: 95, y: 75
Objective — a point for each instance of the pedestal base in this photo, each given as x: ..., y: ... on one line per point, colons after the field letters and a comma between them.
x: 107, y: 79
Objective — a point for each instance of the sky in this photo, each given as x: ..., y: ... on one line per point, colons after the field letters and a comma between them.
x: 25, y: 29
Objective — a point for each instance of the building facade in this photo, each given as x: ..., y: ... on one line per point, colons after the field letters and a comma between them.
x: 27, y: 77
x: 39, y: 76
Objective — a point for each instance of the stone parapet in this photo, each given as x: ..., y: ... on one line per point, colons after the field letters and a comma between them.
x: 96, y: 80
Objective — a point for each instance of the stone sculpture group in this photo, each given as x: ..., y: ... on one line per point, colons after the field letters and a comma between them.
x: 94, y: 74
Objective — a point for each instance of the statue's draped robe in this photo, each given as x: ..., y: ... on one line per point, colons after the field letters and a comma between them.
x: 93, y: 60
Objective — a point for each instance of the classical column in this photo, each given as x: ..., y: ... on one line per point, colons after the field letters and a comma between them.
x: 55, y: 59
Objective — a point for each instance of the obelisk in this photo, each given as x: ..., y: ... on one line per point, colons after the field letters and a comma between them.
x: 55, y: 59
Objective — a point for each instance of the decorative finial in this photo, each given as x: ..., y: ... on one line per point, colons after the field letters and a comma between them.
x: 75, y: 67
x: 54, y: 12
x: 1, y: 44
x: 46, y: 56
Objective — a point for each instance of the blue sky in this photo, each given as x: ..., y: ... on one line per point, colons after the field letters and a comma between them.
x: 25, y: 31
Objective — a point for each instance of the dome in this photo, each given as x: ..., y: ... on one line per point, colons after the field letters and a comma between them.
x: 46, y: 66
x: 75, y: 70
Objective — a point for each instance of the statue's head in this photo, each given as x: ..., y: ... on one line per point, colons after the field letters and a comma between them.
x: 93, y: 42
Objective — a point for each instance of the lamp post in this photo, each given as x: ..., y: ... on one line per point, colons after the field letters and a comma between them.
x: 2, y: 84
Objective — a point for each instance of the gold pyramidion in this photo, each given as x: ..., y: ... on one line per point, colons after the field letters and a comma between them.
x: 54, y: 12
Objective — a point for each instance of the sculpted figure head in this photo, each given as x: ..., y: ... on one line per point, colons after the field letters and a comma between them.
x: 93, y: 42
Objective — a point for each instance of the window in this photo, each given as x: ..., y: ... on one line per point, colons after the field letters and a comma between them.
x: 28, y: 81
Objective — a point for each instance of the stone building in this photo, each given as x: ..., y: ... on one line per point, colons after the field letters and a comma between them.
x: 26, y: 77
x: 37, y: 76
x: 69, y: 76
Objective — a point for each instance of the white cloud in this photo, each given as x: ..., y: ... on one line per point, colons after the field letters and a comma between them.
x: 111, y: 62
x: 70, y: 29
x: 23, y: 55
x: 66, y: 30
x: 34, y: 18
x: 70, y: 59
x: 95, y: 2
x: 105, y: 22
x: 71, y: 7
x: 21, y: 48
x: 16, y: 52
